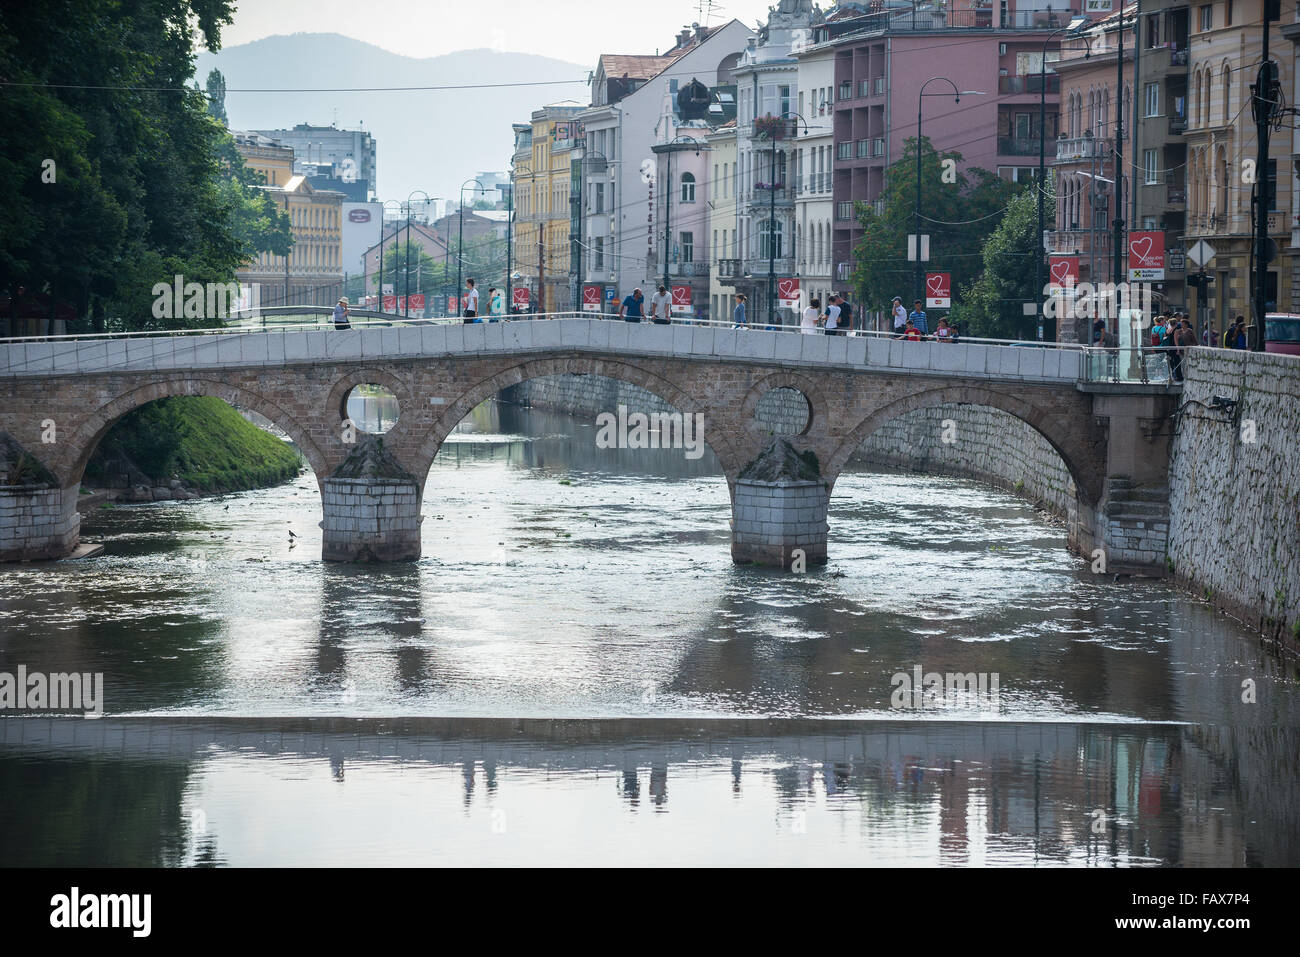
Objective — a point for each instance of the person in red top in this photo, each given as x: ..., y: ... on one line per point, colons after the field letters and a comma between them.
x: 911, y: 332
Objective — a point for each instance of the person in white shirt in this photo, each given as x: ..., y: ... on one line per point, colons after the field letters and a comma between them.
x: 661, y: 304
x: 471, y: 301
x: 900, y: 314
x: 833, y: 319
x: 810, y: 315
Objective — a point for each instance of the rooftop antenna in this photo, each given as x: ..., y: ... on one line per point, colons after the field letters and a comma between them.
x: 707, y: 9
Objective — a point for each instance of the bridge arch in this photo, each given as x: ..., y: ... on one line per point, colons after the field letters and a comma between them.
x: 71, y: 464
x: 719, y: 440
x: 1081, y: 460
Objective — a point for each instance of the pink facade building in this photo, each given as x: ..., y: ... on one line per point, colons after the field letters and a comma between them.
x: 886, y: 51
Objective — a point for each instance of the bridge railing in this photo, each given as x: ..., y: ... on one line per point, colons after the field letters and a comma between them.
x: 281, y: 319
x: 1143, y: 365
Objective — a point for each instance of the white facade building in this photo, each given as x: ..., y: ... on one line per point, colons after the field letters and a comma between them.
x: 814, y: 154
x: 767, y: 96
x: 620, y: 238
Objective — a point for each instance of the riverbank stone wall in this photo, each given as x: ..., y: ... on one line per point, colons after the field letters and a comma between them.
x: 1234, y: 525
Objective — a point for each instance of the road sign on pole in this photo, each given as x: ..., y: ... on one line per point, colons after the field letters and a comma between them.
x: 1201, y: 253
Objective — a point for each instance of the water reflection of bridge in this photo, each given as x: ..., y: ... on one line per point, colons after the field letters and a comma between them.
x: 1166, y: 794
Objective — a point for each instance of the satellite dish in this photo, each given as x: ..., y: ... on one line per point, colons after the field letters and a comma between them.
x: 647, y: 171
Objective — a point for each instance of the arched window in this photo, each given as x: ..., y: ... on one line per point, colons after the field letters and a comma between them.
x: 1206, y: 116
x: 769, y: 239
x: 1227, y: 94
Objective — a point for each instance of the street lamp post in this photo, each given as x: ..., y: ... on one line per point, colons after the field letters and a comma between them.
x: 920, y: 266
x: 1119, y: 261
x: 510, y: 216
x: 398, y: 204
x: 460, y: 233
x: 406, y: 292
x: 771, y: 212
x: 1073, y: 26
x: 670, y: 148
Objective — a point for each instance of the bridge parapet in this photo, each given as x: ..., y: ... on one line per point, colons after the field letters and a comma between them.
x: 231, y: 349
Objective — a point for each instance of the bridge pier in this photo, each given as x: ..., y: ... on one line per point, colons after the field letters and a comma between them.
x: 779, y: 510
x: 371, y: 509
x: 38, y: 522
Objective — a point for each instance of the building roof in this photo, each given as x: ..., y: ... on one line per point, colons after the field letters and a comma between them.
x: 618, y: 65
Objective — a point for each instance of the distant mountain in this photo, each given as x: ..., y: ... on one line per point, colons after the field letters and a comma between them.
x: 430, y: 140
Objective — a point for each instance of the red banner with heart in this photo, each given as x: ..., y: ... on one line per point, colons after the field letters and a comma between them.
x: 1146, y: 255
x: 787, y: 290
x: 682, y: 297
x: 938, y: 290
x: 1063, y: 271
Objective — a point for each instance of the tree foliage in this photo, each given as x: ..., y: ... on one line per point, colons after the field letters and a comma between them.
x: 993, y: 304
x: 145, y: 186
x: 959, y: 209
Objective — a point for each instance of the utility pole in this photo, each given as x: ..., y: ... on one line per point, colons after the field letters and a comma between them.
x: 1264, y: 102
x: 1119, y: 265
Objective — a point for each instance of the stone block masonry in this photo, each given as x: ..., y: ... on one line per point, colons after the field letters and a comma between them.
x: 986, y: 444
x: 37, y: 522
x: 770, y: 520
x: 1234, y: 523
x: 370, y: 520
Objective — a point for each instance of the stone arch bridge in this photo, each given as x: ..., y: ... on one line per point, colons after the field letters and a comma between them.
x: 59, y: 398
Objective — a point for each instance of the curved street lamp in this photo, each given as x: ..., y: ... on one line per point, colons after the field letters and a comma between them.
x: 398, y: 204
x: 1074, y: 26
x: 771, y: 220
x: 406, y: 292
x: 460, y: 234
x: 511, y: 275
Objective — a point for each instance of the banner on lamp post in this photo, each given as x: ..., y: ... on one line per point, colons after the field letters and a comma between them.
x: 938, y: 290
x: 1062, y: 272
x: 591, y: 299
x: 682, y: 299
x: 787, y: 292
x: 519, y: 297
x: 1146, y: 256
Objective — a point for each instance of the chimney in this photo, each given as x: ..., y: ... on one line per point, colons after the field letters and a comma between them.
x: 684, y: 37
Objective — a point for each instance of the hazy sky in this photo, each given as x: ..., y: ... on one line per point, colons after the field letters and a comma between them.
x: 574, y: 30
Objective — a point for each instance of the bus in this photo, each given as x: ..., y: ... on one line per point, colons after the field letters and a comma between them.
x: 1282, y: 333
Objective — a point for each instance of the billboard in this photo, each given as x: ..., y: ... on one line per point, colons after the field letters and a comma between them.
x: 361, y: 225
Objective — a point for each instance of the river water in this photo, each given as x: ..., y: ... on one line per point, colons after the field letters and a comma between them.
x: 575, y: 672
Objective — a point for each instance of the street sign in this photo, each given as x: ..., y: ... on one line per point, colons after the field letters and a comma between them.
x: 609, y: 293
x: 1063, y: 271
x: 682, y: 297
x: 938, y: 290
x: 925, y: 247
x: 787, y: 291
x: 1146, y: 256
x: 1201, y: 253
x: 591, y: 299
x: 520, y: 297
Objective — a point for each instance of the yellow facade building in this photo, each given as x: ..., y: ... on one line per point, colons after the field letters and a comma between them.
x: 313, y: 271
x: 542, y: 181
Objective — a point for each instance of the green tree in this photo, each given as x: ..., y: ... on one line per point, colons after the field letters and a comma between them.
x: 138, y: 195
x: 959, y: 209
x: 993, y: 304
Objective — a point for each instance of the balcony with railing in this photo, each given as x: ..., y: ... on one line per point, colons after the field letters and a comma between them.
x: 1018, y: 145
x: 1085, y: 242
x: 688, y: 270
x: 1029, y: 83
x: 1177, y: 125
x: 1069, y: 150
